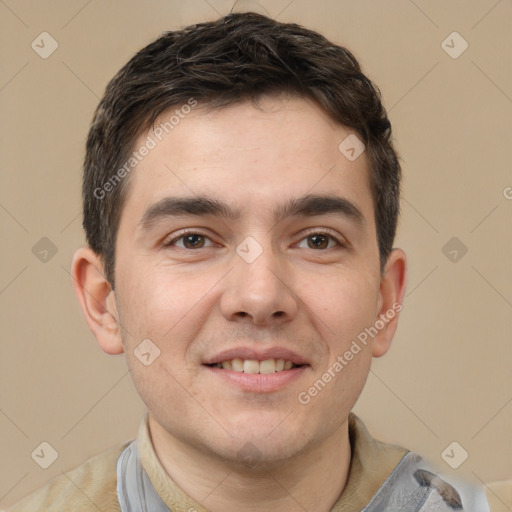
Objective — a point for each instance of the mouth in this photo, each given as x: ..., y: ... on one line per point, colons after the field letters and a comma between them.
x: 255, y: 366
x: 258, y: 371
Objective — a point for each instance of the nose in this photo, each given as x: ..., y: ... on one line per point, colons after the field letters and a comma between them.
x: 259, y: 292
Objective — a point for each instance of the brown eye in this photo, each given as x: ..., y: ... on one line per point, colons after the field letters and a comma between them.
x: 193, y: 241
x: 318, y: 241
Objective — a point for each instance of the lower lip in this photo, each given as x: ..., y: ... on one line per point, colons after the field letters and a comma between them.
x: 257, y: 382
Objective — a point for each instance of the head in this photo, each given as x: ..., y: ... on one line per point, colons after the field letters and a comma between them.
x: 227, y: 218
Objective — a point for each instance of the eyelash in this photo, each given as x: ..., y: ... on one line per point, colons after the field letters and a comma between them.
x: 322, y: 231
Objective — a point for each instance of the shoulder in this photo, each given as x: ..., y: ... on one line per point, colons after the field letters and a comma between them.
x: 89, y: 487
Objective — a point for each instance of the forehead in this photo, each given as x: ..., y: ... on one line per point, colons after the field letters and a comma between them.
x: 249, y: 155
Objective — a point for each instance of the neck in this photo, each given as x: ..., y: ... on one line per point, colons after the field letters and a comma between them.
x: 311, y: 480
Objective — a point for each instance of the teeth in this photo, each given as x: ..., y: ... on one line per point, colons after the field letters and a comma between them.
x: 267, y: 366
x: 237, y: 365
x: 251, y: 366
x: 254, y: 366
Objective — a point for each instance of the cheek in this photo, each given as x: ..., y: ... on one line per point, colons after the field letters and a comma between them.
x: 153, y: 304
x: 157, y: 308
x: 343, y: 304
x: 170, y: 309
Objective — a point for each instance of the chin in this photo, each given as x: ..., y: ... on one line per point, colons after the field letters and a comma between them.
x: 265, y: 445
x: 261, y: 456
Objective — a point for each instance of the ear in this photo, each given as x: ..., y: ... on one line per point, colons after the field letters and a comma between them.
x: 392, y: 289
x: 97, y: 299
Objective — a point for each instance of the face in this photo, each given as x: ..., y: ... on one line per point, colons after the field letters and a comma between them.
x: 247, y: 241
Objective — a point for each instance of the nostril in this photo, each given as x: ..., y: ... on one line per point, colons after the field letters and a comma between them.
x: 278, y: 313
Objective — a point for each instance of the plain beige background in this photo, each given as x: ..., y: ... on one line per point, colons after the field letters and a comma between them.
x: 448, y: 375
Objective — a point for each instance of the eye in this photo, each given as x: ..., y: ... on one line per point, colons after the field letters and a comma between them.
x: 320, y: 241
x: 190, y: 240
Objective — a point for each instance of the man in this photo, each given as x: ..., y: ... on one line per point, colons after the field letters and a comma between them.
x: 241, y: 195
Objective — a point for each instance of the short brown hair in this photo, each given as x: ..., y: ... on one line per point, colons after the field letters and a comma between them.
x: 238, y: 57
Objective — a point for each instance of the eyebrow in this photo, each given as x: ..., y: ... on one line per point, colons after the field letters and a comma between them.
x: 308, y: 205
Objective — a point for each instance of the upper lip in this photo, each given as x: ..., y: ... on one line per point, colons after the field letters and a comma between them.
x: 257, y: 354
